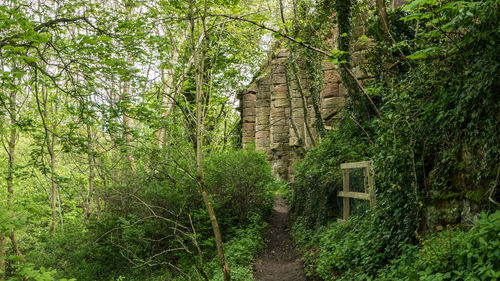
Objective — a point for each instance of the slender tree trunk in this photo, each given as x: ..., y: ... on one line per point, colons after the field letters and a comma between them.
x: 199, y: 68
x: 319, y: 120
x: 304, y: 101
x: 10, y: 169
x: 352, y: 85
x: 90, y: 193
x: 289, y: 95
x: 11, y: 149
x: 170, y: 88
x: 3, y: 242
x: 98, y: 192
x: 61, y: 213
x: 127, y: 122
x: 52, y: 164
x: 98, y: 206
x: 383, y: 19
x: 126, y: 99
x: 53, y: 184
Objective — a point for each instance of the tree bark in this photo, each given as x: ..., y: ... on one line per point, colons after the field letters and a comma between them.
x: 89, y: 200
x: 127, y: 122
x: 170, y: 88
x: 50, y: 139
x: 383, y: 19
x: 289, y: 95
x: 3, y: 242
x: 304, y: 101
x: 125, y: 99
x: 53, y: 184
x: 319, y: 120
x: 199, y: 68
x: 11, y: 149
x: 10, y: 169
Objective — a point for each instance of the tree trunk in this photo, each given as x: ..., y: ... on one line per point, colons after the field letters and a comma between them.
x: 319, y: 120
x: 10, y: 169
x: 353, y: 87
x: 3, y: 241
x: 383, y: 19
x: 90, y: 193
x: 199, y: 68
x: 170, y: 88
x: 304, y: 101
x: 289, y: 95
x: 53, y: 185
x: 127, y: 123
x: 126, y: 99
x: 11, y: 149
x: 50, y: 148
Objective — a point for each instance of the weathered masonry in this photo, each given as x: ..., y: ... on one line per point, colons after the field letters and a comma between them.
x: 265, y: 111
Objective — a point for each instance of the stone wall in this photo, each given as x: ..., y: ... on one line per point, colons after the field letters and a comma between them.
x: 266, y: 113
x: 265, y: 110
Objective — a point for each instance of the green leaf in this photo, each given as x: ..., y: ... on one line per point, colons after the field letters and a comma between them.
x: 423, y: 54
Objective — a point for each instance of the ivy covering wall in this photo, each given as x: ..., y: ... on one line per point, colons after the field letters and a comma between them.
x: 435, y: 145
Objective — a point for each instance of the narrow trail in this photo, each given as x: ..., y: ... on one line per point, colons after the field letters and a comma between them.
x: 280, y: 261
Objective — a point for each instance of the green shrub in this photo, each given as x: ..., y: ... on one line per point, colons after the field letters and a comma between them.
x: 318, y: 176
x: 239, y: 182
x: 28, y: 272
x: 361, y: 245
x: 363, y: 250
x: 242, y: 248
x: 240, y: 251
x: 452, y: 255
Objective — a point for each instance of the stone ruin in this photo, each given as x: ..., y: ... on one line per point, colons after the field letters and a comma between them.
x: 265, y: 121
x: 264, y: 106
x: 265, y: 110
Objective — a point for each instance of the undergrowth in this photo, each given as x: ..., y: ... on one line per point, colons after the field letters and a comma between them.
x: 353, y: 251
x: 436, y: 140
x: 165, y: 233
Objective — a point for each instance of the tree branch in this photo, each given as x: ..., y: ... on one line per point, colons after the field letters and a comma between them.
x: 307, y: 46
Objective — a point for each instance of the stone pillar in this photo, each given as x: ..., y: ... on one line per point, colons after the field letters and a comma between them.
x: 266, y: 113
x: 332, y: 98
x: 263, y: 109
x: 279, y: 131
x: 248, y: 117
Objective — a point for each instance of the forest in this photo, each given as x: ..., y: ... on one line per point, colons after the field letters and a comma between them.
x: 125, y: 152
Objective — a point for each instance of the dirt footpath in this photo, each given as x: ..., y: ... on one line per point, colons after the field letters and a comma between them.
x: 280, y: 261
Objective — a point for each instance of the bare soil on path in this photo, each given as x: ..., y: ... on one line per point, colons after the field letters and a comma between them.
x: 280, y: 261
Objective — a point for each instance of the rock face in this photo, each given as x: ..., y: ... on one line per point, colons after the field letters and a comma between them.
x: 443, y: 212
x: 265, y: 110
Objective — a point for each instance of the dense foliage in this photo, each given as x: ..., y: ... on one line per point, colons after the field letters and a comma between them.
x: 350, y: 252
x: 436, y: 141
x: 451, y: 255
x: 319, y: 177
x: 239, y: 193
x: 100, y: 163
x: 120, y: 138
x: 166, y: 224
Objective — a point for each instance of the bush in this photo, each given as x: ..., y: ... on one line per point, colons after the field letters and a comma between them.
x: 240, y: 184
x: 318, y: 176
x: 238, y: 180
x: 452, y: 255
x: 362, y: 249
x: 240, y: 251
x: 363, y: 244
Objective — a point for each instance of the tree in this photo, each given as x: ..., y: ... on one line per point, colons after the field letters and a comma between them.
x: 201, y: 98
